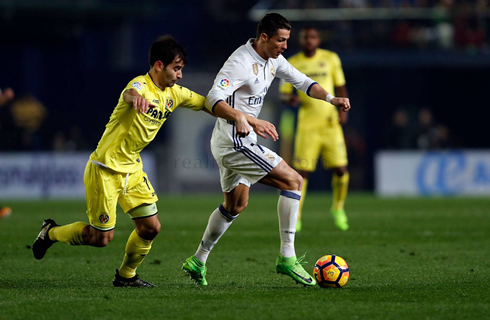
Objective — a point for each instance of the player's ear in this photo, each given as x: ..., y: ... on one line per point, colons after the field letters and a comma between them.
x: 159, y: 66
x: 264, y: 37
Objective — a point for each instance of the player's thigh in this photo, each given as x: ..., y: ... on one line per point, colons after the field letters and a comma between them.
x: 230, y: 179
x: 334, y: 152
x: 245, y: 165
x: 283, y: 177
x: 306, y: 150
x: 140, y: 198
x: 102, y: 188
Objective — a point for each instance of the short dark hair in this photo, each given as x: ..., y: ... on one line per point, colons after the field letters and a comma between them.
x: 271, y: 23
x: 165, y: 49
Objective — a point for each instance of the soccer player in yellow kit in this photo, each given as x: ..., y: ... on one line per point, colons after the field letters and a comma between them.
x: 114, y: 173
x: 319, y: 130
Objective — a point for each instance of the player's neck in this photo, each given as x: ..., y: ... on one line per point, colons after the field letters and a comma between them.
x: 259, y: 49
x: 309, y: 54
x: 154, y: 78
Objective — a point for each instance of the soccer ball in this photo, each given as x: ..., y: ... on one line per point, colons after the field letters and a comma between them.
x: 331, y: 271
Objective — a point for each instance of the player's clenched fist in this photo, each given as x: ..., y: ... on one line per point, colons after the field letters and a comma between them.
x: 342, y: 103
x: 141, y: 105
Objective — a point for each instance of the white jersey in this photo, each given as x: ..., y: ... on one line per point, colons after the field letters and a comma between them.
x: 243, y: 82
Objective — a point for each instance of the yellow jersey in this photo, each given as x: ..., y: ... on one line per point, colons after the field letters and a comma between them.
x: 128, y: 132
x: 326, y: 69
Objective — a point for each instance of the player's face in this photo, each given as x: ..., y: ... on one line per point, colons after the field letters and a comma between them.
x: 277, y: 44
x: 172, y: 73
x: 309, y: 39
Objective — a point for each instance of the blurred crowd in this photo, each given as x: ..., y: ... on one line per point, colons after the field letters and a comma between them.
x: 410, y: 129
x: 441, y: 24
x: 24, y: 126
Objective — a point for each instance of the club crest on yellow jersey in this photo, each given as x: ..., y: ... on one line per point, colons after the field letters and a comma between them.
x: 104, y: 218
x: 169, y: 103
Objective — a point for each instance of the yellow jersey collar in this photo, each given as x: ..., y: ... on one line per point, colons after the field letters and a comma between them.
x: 153, y: 83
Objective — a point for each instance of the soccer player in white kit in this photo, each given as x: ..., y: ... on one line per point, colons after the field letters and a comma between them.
x: 237, y: 97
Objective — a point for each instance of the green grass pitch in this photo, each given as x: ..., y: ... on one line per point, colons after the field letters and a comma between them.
x: 408, y: 258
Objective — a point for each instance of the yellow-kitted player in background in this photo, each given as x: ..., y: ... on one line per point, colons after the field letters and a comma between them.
x: 319, y: 130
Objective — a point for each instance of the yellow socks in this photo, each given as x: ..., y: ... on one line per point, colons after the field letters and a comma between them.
x: 339, y: 188
x: 136, y: 251
x: 303, y: 196
x: 71, y: 233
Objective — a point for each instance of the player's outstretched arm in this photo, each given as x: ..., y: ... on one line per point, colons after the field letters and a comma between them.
x: 133, y: 98
x: 243, y: 122
x: 319, y: 93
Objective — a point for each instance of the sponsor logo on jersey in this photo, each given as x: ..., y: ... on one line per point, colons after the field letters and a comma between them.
x: 224, y: 83
x: 169, y: 103
x: 273, y: 72
x: 156, y: 101
x: 104, y: 218
x: 156, y: 115
x: 137, y: 85
x: 255, y: 68
x: 252, y: 101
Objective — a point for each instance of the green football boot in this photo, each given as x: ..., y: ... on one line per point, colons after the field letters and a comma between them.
x: 196, y: 269
x: 340, y: 219
x: 294, y: 268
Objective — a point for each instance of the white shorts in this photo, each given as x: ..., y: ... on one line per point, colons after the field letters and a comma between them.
x: 246, y: 165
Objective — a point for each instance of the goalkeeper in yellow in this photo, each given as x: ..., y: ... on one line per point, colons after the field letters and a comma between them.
x: 114, y: 173
x: 319, y: 130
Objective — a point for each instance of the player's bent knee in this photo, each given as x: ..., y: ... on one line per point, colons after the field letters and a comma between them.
x: 102, y: 242
x: 149, y: 232
x: 101, y: 238
x: 235, y: 210
x: 340, y: 171
x: 295, y: 182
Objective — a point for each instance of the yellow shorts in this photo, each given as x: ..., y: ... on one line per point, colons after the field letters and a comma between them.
x: 311, y: 142
x: 104, y: 188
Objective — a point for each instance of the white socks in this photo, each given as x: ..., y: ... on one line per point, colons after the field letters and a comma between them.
x: 287, y: 211
x: 219, y: 221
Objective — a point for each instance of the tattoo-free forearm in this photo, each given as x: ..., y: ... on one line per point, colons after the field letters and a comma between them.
x: 225, y: 111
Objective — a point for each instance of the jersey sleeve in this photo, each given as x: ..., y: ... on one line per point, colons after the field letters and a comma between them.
x: 231, y: 77
x: 138, y: 84
x: 338, y: 73
x: 190, y: 99
x: 290, y: 74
